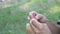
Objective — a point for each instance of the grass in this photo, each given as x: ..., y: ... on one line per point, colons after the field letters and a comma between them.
x: 13, y: 20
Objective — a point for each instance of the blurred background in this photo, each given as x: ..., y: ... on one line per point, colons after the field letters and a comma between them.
x: 13, y: 13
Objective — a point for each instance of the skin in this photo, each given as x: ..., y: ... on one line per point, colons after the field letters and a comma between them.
x: 40, y: 23
x: 39, y: 28
x: 42, y: 19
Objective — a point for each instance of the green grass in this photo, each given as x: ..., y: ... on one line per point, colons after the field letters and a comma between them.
x: 13, y: 19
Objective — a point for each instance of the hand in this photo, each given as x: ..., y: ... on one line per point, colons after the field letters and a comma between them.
x: 39, y: 17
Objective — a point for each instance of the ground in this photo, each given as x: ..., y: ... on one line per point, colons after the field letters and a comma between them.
x: 13, y: 18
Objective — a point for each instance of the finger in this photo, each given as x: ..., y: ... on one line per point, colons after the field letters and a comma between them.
x: 39, y: 16
x: 35, y: 23
x: 28, y: 18
x: 32, y: 14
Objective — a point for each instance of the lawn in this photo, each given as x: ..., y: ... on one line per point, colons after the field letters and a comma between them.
x: 13, y: 18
